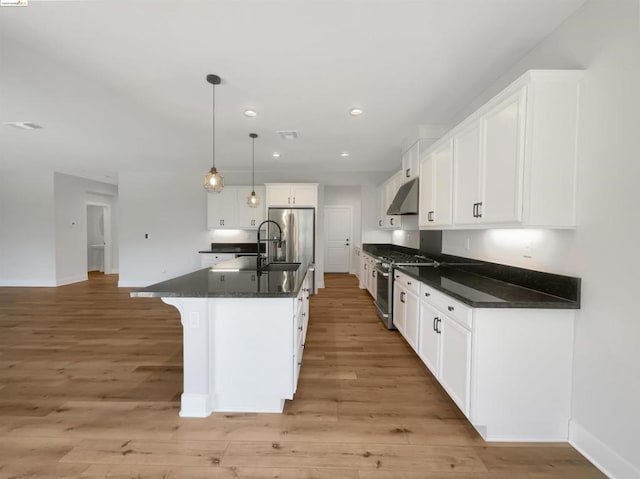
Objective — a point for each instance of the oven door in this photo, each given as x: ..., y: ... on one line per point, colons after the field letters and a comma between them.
x: 383, y: 291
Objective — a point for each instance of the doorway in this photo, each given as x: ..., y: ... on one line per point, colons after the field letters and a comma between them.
x: 99, y: 238
x: 337, y: 245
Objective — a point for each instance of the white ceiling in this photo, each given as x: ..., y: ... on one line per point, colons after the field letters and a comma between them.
x: 120, y: 85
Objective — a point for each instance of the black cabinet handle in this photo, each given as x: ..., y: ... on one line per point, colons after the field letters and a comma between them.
x: 435, y: 322
x: 379, y: 222
x: 479, y: 210
x: 402, y: 297
x: 438, y: 326
x: 430, y: 216
x: 427, y: 294
x: 475, y: 210
x: 391, y: 221
x: 407, y: 173
x: 408, y: 283
x: 450, y: 308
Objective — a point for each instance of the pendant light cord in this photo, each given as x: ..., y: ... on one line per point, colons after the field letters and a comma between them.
x: 214, y: 127
x: 253, y: 164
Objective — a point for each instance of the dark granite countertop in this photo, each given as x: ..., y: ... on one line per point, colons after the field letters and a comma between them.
x: 236, y: 278
x: 481, y: 284
x: 482, y: 292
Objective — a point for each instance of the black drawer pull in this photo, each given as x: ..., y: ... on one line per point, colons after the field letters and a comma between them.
x: 427, y: 294
x: 450, y: 308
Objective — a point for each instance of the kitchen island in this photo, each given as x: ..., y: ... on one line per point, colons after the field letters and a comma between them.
x: 243, y: 334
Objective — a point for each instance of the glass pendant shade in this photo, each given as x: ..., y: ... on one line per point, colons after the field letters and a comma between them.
x: 213, y: 181
x: 253, y: 200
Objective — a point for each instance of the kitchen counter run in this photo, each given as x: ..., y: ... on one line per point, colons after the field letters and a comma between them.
x: 482, y: 292
x: 237, y: 278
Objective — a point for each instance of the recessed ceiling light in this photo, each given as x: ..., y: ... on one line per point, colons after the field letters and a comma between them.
x: 23, y: 125
x: 276, y: 154
x: 250, y: 113
x: 356, y: 111
x: 344, y: 154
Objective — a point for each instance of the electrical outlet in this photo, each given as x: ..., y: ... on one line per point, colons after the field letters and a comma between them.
x: 467, y: 244
x: 527, y: 248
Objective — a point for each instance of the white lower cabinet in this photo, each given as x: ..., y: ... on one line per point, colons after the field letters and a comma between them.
x: 444, y: 346
x: 508, y: 370
x: 369, y: 275
x: 405, y: 307
x: 455, y: 361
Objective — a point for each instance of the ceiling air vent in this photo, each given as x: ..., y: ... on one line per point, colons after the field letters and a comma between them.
x: 23, y: 125
x: 289, y: 134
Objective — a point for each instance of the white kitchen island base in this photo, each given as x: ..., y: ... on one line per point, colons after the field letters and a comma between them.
x: 240, y: 354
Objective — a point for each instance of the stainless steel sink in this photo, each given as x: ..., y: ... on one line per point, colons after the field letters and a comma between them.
x: 281, y: 267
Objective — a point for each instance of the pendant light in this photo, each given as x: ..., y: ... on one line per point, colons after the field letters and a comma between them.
x: 253, y: 200
x: 214, y: 181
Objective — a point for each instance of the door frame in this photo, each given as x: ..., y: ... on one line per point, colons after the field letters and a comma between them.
x: 326, y: 229
x: 108, y: 251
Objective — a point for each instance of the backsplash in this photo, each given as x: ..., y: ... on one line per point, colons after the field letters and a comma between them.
x: 232, y: 236
x: 409, y: 239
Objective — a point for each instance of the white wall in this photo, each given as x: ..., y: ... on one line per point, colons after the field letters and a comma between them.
x: 171, y: 209
x: 602, y: 37
x: 409, y: 235
x: 27, y: 249
x: 71, y: 194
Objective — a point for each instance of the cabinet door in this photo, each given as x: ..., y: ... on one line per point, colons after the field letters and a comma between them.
x: 392, y: 186
x: 250, y: 218
x: 381, y: 198
x: 410, y: 162
x: 279, y: 195
x: 425, y: 185
x: 399, y: 299
x: 466, y: 173
x: 222, y: 208
x: 442, y: 192
x: 411, y: 319
x: 303, y: 195
x: 455, y: 362
x: 429, y: 339
x: 503, y: 161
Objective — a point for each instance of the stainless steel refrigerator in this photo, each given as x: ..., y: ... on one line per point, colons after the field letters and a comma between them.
x: 298, y: 236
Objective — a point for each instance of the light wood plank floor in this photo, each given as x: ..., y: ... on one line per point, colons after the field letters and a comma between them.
x: 90, y: 381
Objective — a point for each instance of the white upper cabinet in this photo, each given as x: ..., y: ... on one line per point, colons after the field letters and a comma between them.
x: 292, y: 194
x: 489, y: 158
x: 435, y: 187
x: 410, y: 159
x: 514, y: 160
x: 386, y: 193
x: 229, y: 209
x: 249, y: 218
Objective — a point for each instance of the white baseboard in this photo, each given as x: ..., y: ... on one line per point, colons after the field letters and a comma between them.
x: 28, y: 283
x: 601, y: 455
x: 72, y: 279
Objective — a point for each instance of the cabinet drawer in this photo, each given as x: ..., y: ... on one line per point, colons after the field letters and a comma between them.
x: 407, y: 282
x: 452, y: 308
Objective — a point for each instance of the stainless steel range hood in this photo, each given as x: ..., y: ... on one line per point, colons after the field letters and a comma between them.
x: 406, y: 200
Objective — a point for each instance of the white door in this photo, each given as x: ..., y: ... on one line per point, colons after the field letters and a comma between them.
x: 337, y: 239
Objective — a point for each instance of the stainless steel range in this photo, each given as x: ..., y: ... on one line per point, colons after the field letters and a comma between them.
x: 384, y: 274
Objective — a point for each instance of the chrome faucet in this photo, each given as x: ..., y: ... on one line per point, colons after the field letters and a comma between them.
x: 261, y: 258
